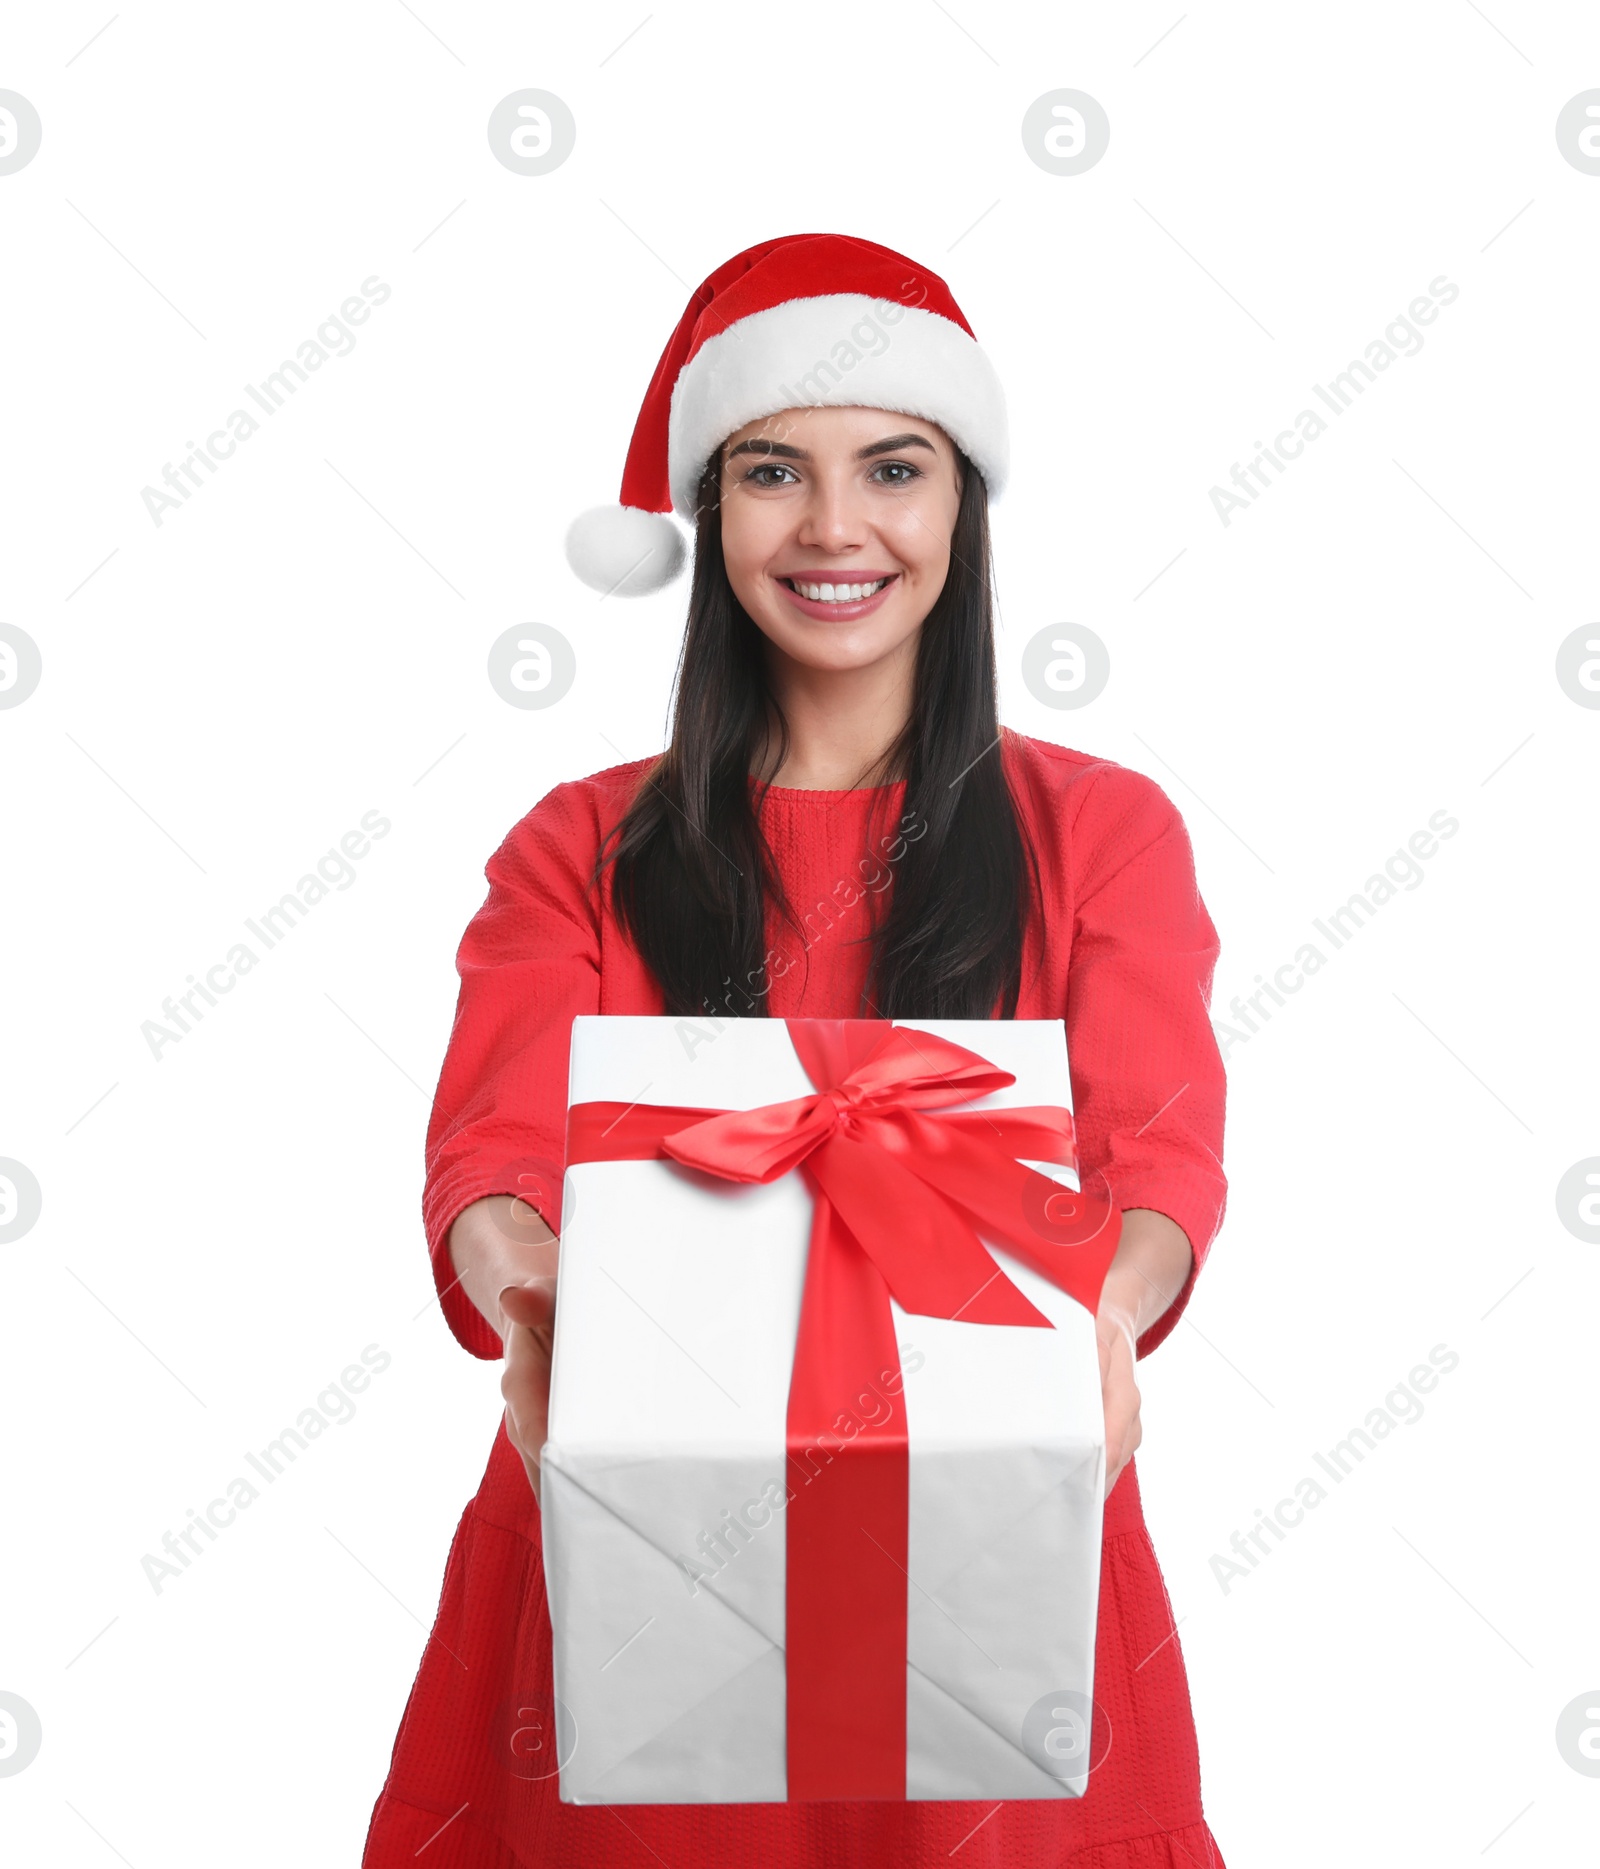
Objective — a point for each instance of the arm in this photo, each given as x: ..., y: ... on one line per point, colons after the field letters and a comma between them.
x: 1148, y: 1083
x: 1147, y: 1077
x: 1153, y: 1263
x: 506, y: 1257
x: 496, y: 1243
x: 529, y: 962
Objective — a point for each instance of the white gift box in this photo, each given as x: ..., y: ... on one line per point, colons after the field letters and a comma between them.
x: 676, y: 1322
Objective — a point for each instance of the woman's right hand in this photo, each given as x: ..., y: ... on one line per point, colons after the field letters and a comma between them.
x: 506, y: 1256
x: 530, y: 1314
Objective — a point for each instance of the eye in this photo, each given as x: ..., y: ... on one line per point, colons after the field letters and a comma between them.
x: 757, y: 476
x: 896, y: 473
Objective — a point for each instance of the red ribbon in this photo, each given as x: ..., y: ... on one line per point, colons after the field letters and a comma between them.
x: 901, y: 1190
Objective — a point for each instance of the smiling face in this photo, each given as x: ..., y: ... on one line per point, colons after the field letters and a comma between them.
x: 836, y: 528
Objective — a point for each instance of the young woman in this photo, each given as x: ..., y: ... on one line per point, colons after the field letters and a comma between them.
x: 839, y: 828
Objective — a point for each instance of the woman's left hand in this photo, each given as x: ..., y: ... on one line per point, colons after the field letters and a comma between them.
x: 1152, y: 1263
x: 1114, y: 1331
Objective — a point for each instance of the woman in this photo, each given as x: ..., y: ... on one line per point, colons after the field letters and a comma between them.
x: 839, y: 828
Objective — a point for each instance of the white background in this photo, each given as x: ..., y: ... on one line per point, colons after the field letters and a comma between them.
x: 226, y: 694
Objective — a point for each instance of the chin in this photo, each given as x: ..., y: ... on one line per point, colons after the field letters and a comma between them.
x: 836, y: 655
x: 819, y: 643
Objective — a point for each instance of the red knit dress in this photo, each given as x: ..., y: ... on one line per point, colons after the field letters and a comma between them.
x: 1124, y: 952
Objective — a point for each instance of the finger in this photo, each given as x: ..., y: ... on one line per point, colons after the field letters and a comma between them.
x: 528, y: 1349
x: 1116, y: 1450
x: 1127, y: 1444
x: 533, y: 1303
x: 1123, y: 1428
x: 525, y: 1384
x: 529, y: 1406
x: 529, y: 1466
x: 528, y: 1336
x: 531, y: 1348
x: 528, y: 1445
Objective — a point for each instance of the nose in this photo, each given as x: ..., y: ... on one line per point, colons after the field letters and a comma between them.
x: 834, y: 519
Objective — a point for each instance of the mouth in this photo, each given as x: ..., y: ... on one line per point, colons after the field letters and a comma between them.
x: 837, y: 598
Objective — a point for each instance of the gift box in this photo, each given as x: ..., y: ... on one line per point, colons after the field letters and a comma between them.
x: 824, y: 1478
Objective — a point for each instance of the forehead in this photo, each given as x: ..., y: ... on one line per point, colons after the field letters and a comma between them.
x: 842, y: 430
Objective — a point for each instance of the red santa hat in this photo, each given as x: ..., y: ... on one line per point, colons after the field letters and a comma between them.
x: 810, y: 320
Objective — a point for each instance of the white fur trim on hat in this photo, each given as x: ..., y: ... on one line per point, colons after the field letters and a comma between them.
x: 837, y: 350
x: 623, y: 551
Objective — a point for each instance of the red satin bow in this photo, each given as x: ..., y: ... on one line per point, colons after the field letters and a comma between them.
x: 901, y: 1189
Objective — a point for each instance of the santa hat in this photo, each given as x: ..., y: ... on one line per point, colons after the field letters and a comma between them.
x: 811, y: 320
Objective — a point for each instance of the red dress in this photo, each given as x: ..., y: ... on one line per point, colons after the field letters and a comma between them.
x: 1125, y: 955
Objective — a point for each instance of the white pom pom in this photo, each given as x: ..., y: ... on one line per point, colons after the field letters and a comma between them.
x: 623, y: 551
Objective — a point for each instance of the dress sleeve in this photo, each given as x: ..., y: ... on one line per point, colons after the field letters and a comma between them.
x: 1148, y: 1084
x: 529, y: 962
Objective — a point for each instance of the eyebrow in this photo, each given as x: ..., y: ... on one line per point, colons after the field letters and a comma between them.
x: 892, y: 444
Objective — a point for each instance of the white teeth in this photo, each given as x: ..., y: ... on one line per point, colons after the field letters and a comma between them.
x: 838, y: 593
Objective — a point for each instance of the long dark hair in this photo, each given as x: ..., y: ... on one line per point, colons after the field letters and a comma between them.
x: 692, y: 874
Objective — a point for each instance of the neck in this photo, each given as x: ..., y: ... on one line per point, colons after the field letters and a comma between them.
x: 841, y: 721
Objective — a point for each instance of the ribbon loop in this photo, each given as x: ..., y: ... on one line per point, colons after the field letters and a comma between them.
x: 754, y: 1145
x: 915, y: 1182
